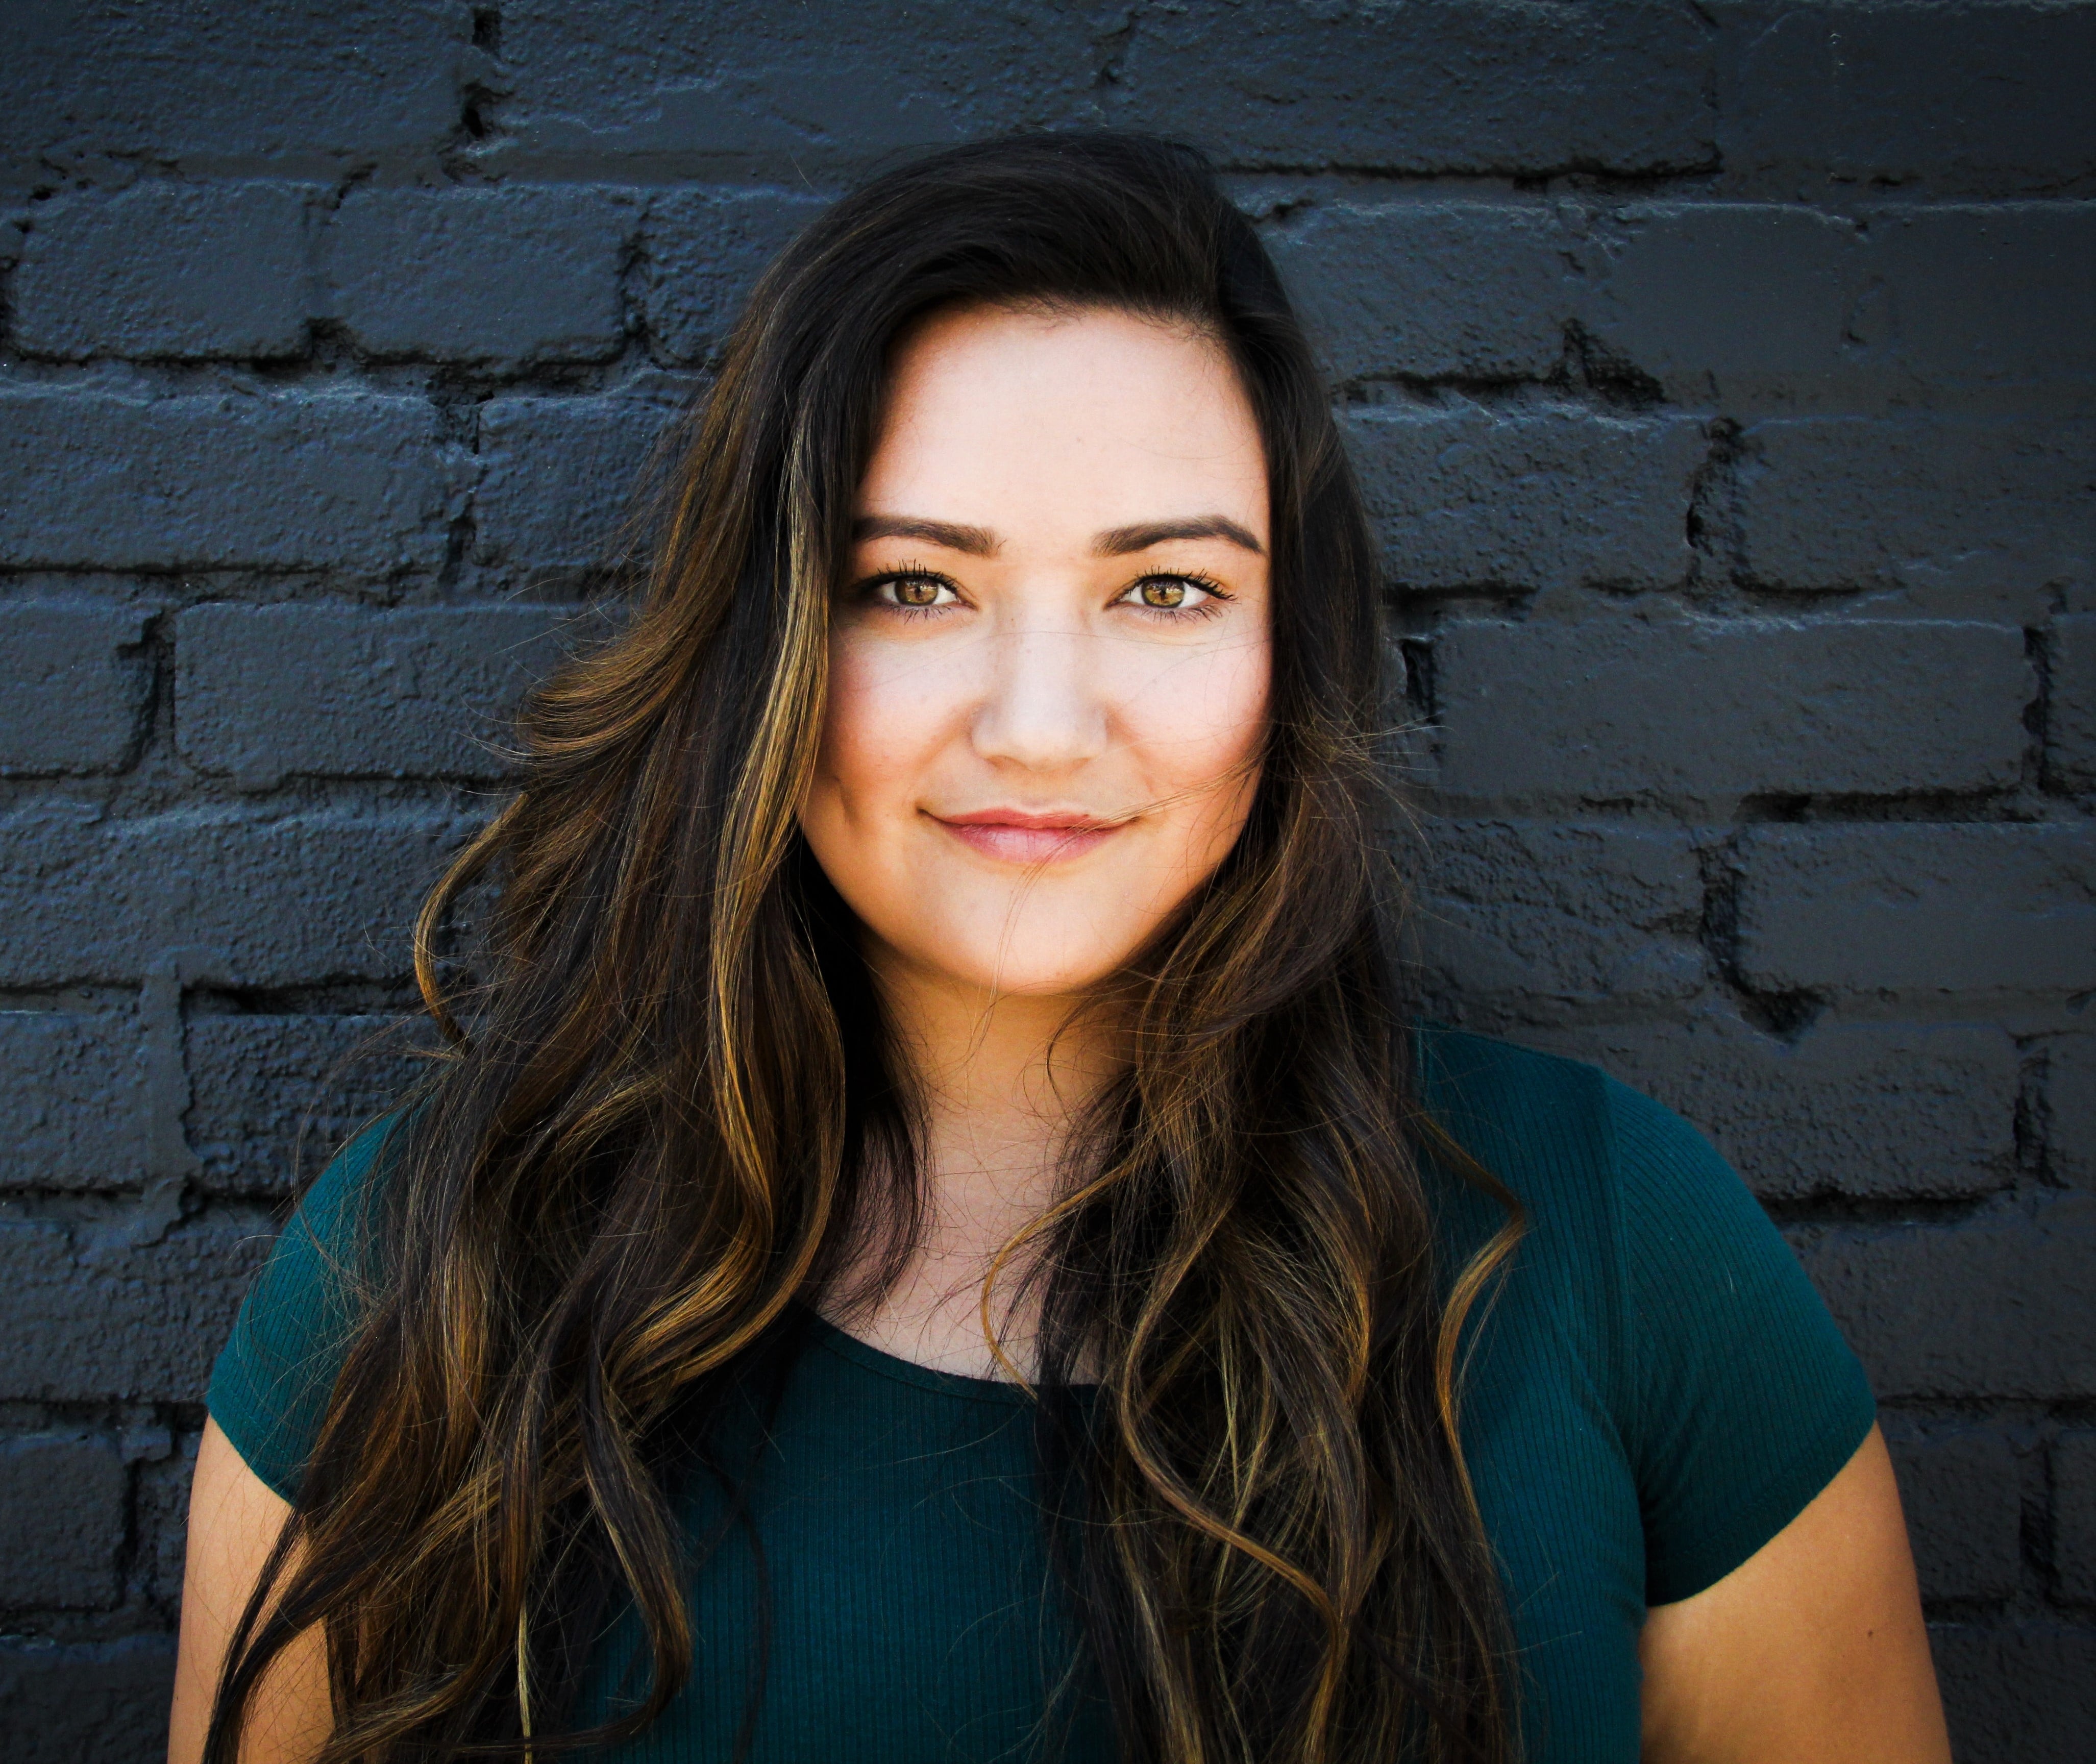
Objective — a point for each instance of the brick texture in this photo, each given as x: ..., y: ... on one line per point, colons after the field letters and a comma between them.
x: 2004, y: 1304
x: 1962, y: 1492
x: 76, y: 1098
x: 559, y: 477
x: 107, y: 1700
x: 1862, y: 1110
x: 2070, y: 736
x: 265, y: 692
x: 170, y: 269
x: 2070, y: 1111
x: 1475, y: 498
x: 70, y: 695
x: 1393, y: 291
x: 2015, y: 1694
x: 1595, y: 710
x: 254, y: 901
x: 480, y: 273
x: 344, y: 480
x: 1911, y: 908
x: 61, y: 1520
x: 272, y: 1095
x: 1721, y: 381
x: 100, y: 1321
x: 1826, y: 504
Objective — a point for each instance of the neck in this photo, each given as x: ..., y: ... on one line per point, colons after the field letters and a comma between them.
x: 1000, y: 1079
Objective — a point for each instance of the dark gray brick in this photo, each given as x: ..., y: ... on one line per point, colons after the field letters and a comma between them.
x: 93, y: 1703
x: 1984, y: 98
x: 1996, y: 299
x: 480, y: 273
x: 1867, y: 1109
x: 1616, y: 708
x: 75, y: 1100
x: 702, y: 250
x: 348, y: 479
x: 1918, y: 908
x: 1983, y: 512
x: 1962, y: 1489
x: 252, y: 901
x: 2070, y: 722
x: 1742, y: 305
x: 2071, y: 1102
x: 62, y: 1520
x: 69, y: 695
x: 1467, y: 499
x: 2074, y: 1516
x: 161, y: 1503
x: 165, y: 79
x: 819, y: 87
x: 165, y: 268
x: 561, y: 474
x: 264, y: 692
x: 116, y: 1322
x: 1462, y: 87
x: 1513, y: 914
x: 2003, y: 1305
x: 1432, y: 290
x: 2016, y: 1694
x: 273, y: 1097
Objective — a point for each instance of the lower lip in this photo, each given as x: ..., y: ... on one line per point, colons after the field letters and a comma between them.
x: 1028, y: 845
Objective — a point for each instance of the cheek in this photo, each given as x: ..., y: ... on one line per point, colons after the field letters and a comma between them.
x: 878, y: 727
x: 1201, y: 717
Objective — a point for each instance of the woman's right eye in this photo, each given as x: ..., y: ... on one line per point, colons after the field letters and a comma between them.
x: 913, y: 593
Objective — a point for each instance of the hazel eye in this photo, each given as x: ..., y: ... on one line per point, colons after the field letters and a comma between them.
x: 1169, y: 594
x: 914, y: 592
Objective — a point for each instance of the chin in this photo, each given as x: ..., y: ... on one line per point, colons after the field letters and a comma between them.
x: 1038, y: 964
x: 1049, y: 977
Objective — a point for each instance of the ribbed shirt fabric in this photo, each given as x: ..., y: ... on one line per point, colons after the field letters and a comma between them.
x: 1654, y: 1393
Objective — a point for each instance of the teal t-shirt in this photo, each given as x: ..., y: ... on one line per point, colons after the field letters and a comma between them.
x: 1655, y: 1394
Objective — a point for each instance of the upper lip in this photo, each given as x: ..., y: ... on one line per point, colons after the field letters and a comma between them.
x: 1059, y: 820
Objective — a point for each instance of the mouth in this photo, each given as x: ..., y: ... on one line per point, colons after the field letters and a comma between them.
x: 1016, y: 835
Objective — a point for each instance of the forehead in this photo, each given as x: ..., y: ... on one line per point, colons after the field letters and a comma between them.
x: 1040, y: 424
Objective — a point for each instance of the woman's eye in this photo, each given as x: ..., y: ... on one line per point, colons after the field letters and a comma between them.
x: 914, y: 591
x: 1168, y: 594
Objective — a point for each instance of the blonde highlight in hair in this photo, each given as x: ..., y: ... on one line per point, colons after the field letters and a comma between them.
x: 671, y: 1119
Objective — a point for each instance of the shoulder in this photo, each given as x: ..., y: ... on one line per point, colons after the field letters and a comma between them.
x: 330, y: 1240
x: 1568, y: 1139
x: 1733, y: 1394
x: 270, y: 1384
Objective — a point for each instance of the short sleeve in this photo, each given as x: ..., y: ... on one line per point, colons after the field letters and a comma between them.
x: 269, y: 1389
x: 1745, y: 1401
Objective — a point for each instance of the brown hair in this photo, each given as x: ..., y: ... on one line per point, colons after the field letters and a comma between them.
x: 670, y: 1118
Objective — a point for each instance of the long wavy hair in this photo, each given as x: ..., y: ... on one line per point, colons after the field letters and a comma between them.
x: 671, y: 1116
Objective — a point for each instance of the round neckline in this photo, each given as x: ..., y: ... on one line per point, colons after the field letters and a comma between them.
x: 879, y: 1360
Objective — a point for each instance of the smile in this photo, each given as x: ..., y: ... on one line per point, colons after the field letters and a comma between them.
x: 1015, y: 837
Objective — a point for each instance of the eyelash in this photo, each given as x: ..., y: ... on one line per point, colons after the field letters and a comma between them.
x: 1208, y: 608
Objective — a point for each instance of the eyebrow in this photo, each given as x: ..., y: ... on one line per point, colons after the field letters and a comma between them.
x: 977, y: 541
x: 1123, y: 539
x: 1117, y: 542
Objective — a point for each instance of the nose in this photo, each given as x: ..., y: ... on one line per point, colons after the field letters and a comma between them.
x: 1044, y: 707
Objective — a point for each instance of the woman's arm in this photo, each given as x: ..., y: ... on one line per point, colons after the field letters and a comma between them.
x: 1814, y: 1648
x: 234, y: 1519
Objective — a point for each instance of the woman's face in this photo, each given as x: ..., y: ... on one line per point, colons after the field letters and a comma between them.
x: 1049, y: 659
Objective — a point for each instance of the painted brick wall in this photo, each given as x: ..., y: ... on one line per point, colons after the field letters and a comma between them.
x: 1722, y: 378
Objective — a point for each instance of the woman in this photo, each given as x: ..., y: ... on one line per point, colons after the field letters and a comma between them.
x: 938, y: 1237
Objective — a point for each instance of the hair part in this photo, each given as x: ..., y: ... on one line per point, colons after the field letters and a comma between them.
x: 672, y: 1114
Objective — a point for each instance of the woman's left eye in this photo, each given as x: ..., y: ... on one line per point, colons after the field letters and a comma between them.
x: 1168, y: 594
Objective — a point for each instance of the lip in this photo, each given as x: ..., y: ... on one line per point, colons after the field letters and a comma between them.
x: 1023, y: 836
